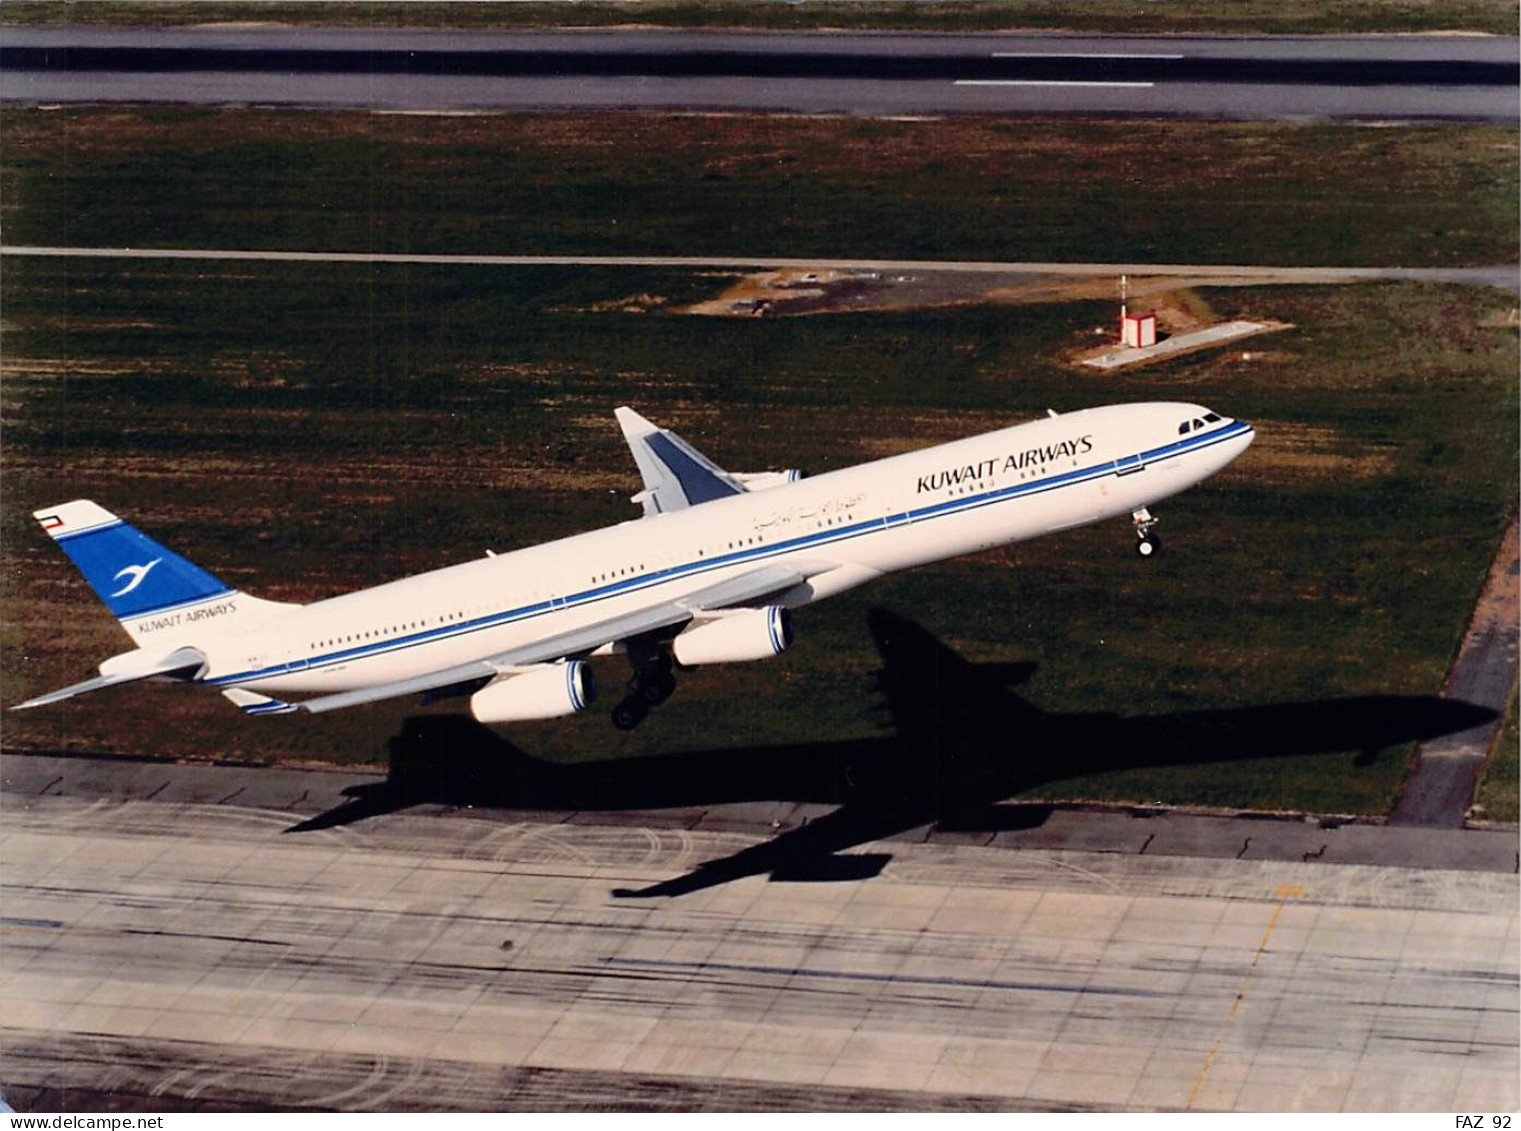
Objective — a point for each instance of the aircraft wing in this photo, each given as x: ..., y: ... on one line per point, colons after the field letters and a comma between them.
x: 745, y: 588
x: 676, y: 475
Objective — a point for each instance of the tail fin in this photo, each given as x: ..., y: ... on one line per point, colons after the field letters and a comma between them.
x: 150, y: 589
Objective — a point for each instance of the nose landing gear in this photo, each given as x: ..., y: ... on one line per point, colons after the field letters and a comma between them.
x: 1147, y: 543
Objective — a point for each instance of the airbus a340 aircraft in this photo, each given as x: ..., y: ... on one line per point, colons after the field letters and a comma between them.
x: 708, y: 575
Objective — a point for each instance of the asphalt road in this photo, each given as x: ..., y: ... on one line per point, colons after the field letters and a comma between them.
x: 167, y: 953
x: 1361, y: 77
x: 1440, y: 789
x: 1189, y: 274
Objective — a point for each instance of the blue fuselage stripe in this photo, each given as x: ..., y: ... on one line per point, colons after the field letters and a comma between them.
x: 694, y: 568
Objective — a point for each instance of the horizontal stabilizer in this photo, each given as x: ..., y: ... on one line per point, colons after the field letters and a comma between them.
x: 182, y: 663
x: 253, y: 703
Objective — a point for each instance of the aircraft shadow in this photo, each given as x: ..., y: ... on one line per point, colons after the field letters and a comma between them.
x: 961, y: 742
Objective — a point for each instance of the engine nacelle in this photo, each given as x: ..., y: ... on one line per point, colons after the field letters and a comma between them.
x: 751, y: 634
x: 765, y: 480
x: 549, y: 691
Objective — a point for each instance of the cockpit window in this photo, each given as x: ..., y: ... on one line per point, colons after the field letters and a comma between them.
x: 1185, y: 428
x: 1212, y: 417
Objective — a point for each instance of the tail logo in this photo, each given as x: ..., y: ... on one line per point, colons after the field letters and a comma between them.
x: 137, y: 573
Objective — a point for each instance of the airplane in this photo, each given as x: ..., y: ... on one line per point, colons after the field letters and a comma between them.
x: 710, y: 573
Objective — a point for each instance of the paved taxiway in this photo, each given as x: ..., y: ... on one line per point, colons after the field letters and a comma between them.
x: 1265, y: 77
x: 179, y: 953
x: 1189, y: 274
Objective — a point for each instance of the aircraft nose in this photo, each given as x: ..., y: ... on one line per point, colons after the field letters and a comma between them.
x: 1243, y: 438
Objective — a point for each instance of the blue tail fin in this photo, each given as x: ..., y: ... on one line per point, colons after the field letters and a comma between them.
x: 130, y: 572
x: 159, y: 597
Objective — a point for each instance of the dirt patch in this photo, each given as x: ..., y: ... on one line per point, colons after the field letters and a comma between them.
x: 1285, y: 452
x: 827, y: 290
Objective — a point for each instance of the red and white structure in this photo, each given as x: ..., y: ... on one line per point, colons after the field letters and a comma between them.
x: 1138, y: 330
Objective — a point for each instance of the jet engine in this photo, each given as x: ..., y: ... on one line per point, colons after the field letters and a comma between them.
x: 548, y: 691
x: 765, y: 480
x: 750, y: 634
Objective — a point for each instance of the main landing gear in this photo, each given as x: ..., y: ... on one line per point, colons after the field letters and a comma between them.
x: 652, y: 684
x: 1147, y: 543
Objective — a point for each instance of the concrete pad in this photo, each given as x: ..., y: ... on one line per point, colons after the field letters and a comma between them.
x: 1487, y: 1089
x: 212, y: 1028
x: 484, y: 1047
x: 279, y: 1033
x: 1174, y: 933
x: 988, y: 1080
x: 1165, y: 1090
x: 907, y: 999
x: 376, y: 1041
x: 817, y: 1044
x: 1455, y: 948
x: 60, y: 990
x: 528, y: 1024
x: 602, y: 1028
x: 1384, y: 1090
x: 1082, y: 1088
x: 892, y: 1048
x: 1221, y: 334
x: 875, y: 1074
x: 121, y: 1020
x: 885, y: 916
x: 1245, y: 937
x: 581, y: 1055
x: 1356, y: 944
x: 678, y: 1060
x: 1216, y: 1095
x: 1111, y: 1059
x: 146, y: 995
x: 751, y: 1065
x: 384, y: 1013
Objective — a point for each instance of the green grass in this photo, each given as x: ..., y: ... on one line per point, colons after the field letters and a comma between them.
x: 307, y: 429
x: 1298, y: 17
x: 1500, y: 789
x: 957, y: 188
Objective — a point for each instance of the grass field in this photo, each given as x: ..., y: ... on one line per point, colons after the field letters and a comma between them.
x: 957, y: 188
x: 303, y: 430
x: 1297, y: 17
x: 1499, y: 791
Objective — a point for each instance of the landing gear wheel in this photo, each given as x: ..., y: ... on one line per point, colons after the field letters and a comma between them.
x: 1146, y: 544
x: 630, y: 712
x: 655, y: 689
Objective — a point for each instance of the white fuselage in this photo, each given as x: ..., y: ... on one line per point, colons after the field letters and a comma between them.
x: 840, y: 529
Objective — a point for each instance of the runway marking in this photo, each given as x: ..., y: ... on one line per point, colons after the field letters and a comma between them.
x: 1285, y: 892
x: 1048, y: 82
x: 1075, y: 55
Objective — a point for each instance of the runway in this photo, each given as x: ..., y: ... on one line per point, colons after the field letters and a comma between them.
x: 1356, y: 77
x: 174, y: 954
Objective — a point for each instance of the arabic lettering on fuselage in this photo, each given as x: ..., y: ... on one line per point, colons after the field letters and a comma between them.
x: 800, y: 512
x: 1015, y: 461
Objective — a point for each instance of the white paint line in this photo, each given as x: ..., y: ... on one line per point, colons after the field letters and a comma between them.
x: 1307, y: 274
x: 1072, y: 55
x: 1044, y: 82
